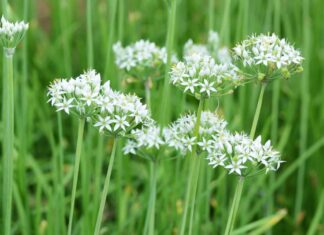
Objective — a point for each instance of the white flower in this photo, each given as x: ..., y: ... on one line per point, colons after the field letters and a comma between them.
x: 12, y: 33
x: 112, y: 112
x: 77, y: 95
x: 130, y: 147
x: 120, y: 122
x: 104, y: 123
x: 268, y: 55
x: 65, y: 105
x: 235, y: 166
x: 125, y: 112
x: 243, y: 156
x: 207, y: 87
x: 179, y: 135
x: 145, y: 140
x: 141, y: 58
x: 190, y: 49
x: 200, y: 76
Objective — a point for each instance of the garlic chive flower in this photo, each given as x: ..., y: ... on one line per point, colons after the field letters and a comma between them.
x: 191, y: 48
x: 267, y: 57
x: 12, y: 33
x: 180, y: 134
x: 213, y: 48
x: 141, y: 59
x: 201, y: 76
x: 242, y: 156
x: 144, y: 142
x: 119, y: 113
x: 78, y: 95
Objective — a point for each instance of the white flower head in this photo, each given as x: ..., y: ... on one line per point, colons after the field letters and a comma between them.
x: 140, y: 59
x: 242, y: 156
x: 118, y: 114
x: 201, y: 76
x: 76, y: 95
x: 12, y: 33
x: 180, y: 134
x: 145, y: 141
x: 267, y: 57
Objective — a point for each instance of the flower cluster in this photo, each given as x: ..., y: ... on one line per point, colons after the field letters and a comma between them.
x: 235, y: 152
x: 12, y: 33
x: 191, y: 48
x: 212, y: 48
x: 180, y: 134
x: 241, y: 155
x: 119, y: 113
x: 145, y: 141
x: 76, y: 95
x: 112, y: 112
x: 201, y: 76
x: 141, y: 59
x: 269, y: 56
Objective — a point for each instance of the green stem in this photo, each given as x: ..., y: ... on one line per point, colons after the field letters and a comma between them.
x: 151, y: 208
x: 8, y: 141
x: 239, y: 187
x: 234, y: 207
x: 164, y: 111
x: 305, y: 100
x: 257, y: 112
x: 194, y: 192
x: 148, y: 93
x: 76, y: 171
x: 112, y: 19
x: 193, y: 175
x: 89, y: 34
x: 59, y: 175
x: 105, y: 189
x: 4, y: 8
x: 211, y: 14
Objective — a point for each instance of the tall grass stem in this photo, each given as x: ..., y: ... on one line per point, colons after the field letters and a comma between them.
x: 164, y: 111
x: 193, y: 174
x: 8, y: 140
x: 105, y: 189
x: 76, y: 171
x: 234, y: 207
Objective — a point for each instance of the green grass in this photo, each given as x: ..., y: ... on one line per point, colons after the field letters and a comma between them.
x: 67, y: 37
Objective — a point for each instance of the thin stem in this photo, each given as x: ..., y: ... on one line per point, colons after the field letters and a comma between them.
x: 239, y: 187
x: 112, y: 19
x: 194, y: 192
x: 211, y: 14
x: 59, y: 175
x: 234, y: 207
x: 89, y: 34
x: 4, y: 8
x: 164, y: 111
x: 193, y: 175
x: 257, y: 112
x: 105, y: 189
x: 148, y: 93
x: 8, y: 142
x: 151, y: 207
x: 76, y: 171
x: 305, y: 100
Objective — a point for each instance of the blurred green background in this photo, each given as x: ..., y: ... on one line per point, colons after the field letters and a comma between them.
x: 67, y: 37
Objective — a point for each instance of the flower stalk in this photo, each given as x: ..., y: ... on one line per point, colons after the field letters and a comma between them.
x: 164, y: 112
x: 239, y: 187
x: 234, y: 207
x: 150, y: 215
x: 76, y: 171
x: 105, y: 189
x: 193, y: 174
x: 8, y: 139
